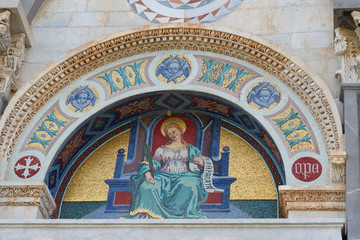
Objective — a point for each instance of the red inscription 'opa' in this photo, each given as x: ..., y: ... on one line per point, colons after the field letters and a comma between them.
x: 307, y: 169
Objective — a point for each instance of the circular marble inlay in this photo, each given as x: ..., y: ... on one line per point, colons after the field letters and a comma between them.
x: 307, y: 169
x: 191, y: 11
x: 27, y: 166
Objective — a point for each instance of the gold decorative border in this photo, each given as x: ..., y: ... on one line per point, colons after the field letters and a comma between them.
x: 27, y: 194
x: 314, y: 198
x: 194, y: 37
x: 144, y: 210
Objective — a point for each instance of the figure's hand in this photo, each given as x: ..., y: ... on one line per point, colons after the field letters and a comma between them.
x: 149, y: 178
x: 199, y: 161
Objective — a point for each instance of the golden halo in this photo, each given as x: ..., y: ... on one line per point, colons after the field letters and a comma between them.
x: 172, y: 120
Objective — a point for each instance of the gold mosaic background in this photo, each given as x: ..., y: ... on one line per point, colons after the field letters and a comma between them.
x: 254, y: 180
x: 88, y: 183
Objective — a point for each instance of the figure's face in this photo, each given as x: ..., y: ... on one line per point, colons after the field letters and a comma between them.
x: 173, y: 133
x: 81, y: 97
x: 173, y: 67
x: 264, y: 95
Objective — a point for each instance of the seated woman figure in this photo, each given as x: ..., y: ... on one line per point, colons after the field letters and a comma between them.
x: 177, y: 189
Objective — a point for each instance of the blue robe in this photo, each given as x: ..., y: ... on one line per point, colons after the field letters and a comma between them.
x: 174, y: 195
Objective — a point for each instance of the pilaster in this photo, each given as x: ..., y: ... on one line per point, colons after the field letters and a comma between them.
x: 347, y: 48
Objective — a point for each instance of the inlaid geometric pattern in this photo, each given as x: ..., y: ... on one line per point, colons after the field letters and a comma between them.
x: 191, y: 11
x: 173, y: 101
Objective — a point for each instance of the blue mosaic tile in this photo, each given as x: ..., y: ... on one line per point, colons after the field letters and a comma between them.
x: 257, y: 208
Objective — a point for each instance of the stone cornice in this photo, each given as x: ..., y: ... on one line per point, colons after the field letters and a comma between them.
x: 303, y: 82
x: 311, y: 198
x: 27, y: 194
x: 350, y: 86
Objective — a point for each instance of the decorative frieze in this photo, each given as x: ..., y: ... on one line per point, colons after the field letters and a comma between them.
x: 172, y: 37
x: 311, y: 198
x: 27, y: 194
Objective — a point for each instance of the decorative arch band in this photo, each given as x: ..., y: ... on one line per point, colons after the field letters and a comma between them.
x: 304, y: 83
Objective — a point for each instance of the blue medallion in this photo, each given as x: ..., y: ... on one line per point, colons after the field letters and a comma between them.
x: 172, y: 68
x: 264, y: 94
x: 81, y: 97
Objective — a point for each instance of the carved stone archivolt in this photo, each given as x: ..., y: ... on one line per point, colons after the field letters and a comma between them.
x: 12, y: 55
x: 308, y: 87
x: 311, y: 198
x: 31, y: 194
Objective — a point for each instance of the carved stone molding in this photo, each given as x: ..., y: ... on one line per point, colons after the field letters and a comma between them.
x: 311, y: 198
x: 338, y: 167
x: 308, y: 87
x: 27, y: 194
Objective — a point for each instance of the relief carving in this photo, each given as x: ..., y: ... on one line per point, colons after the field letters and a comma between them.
x: 5, y: 36
x: 347, y: 48
x: 12, y: 55
x: 338, y: 167
x: 356, y: 17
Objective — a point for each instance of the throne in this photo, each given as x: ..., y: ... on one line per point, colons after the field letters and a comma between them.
x: 200, y: 134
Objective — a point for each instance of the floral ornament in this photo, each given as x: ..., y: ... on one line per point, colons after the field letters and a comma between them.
x: 172, y: 68
x: 264, y: 94
x: 81, y: 98
x: 48, y: 130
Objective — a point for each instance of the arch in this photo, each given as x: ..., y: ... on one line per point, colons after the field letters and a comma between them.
x: 294, y: 74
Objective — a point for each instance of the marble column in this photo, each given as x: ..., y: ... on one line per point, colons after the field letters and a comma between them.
x: 351, y: 99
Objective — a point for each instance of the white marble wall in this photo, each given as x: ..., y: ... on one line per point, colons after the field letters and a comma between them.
x: 304, y: 28
x: 279, y: 229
